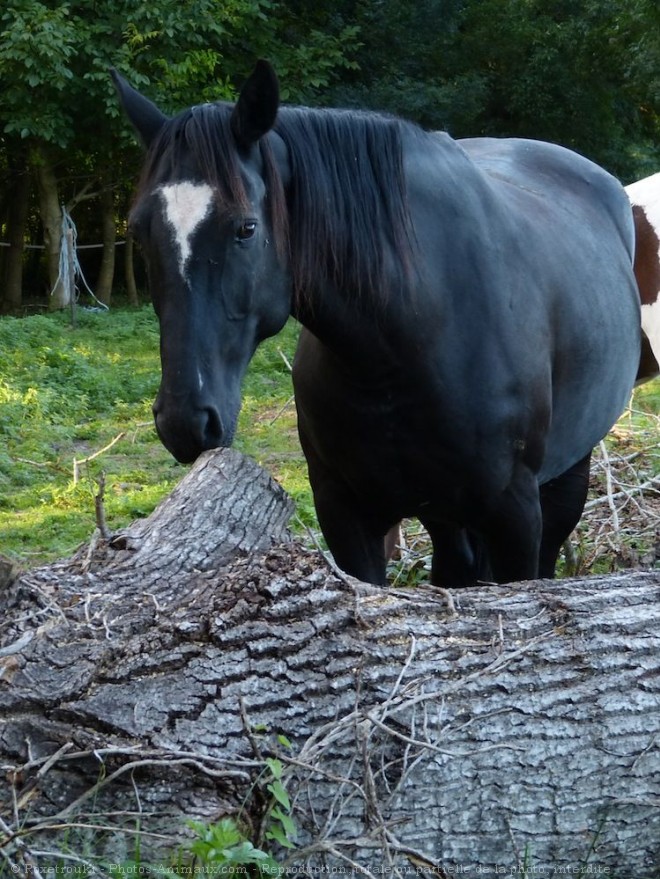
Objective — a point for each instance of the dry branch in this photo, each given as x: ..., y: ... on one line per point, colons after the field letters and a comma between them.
x: 481, y: 729
x: 78, y: 462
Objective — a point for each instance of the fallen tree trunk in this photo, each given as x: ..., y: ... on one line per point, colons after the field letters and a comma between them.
x: 152, y: 677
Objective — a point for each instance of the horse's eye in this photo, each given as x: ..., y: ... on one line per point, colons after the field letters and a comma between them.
x: 246, y: 230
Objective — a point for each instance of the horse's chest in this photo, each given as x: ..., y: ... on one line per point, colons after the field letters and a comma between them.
x: 382, y: 439
x: 354, y: 422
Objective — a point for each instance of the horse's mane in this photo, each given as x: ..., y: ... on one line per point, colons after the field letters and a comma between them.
x: 345, y: 220
x: 348, y: 209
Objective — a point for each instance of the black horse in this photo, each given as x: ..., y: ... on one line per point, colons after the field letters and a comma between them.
x: 471, y: 323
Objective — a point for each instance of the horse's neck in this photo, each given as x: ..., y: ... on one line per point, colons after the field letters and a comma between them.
x: 365, y: 335
x: 378, y: 325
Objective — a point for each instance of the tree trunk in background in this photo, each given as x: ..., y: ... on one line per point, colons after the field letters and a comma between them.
x: 51, y: 219
x: 109, y: 235
x: 129, y: 270
x: 16, y: 224
x: 468, y: 732
x: 5, y: 202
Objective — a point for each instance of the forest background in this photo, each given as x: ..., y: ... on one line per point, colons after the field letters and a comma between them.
x: 583, y: 73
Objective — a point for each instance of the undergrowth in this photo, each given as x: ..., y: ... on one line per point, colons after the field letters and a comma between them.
x: 66, y: 393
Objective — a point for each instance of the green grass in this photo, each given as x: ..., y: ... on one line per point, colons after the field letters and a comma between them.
x: 67, y: 392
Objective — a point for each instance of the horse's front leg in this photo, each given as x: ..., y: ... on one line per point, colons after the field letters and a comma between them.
x: 459, y: 559
x: 512, y: 530
x: 355, y: 536
x: 355, y: 540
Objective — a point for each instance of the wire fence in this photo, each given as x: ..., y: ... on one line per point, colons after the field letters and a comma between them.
x: 78, y: 247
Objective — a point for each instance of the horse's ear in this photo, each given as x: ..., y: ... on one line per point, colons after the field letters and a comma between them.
x: 256, y: 109
x: 144, y: 116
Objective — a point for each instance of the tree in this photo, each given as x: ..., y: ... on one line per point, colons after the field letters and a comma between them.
x: 570, y: 72
x: 158, y: 675
x: 583, y: 73
x: 15, y: 212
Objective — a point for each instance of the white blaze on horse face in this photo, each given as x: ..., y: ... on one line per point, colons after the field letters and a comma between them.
x: 186, y: 206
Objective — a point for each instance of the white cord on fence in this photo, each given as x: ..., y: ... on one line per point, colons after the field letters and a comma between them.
x: 69, y: 260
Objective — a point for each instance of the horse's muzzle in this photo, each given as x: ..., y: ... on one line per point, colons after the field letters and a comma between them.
x: 186, y: 434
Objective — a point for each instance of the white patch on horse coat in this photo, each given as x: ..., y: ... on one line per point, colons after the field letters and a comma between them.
x: 186, y: 206
x: 651, y: 326
x: 646, y: 194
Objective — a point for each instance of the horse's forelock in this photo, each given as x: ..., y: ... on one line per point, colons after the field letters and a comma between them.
x: 201, y: 137
x: 198, y: 139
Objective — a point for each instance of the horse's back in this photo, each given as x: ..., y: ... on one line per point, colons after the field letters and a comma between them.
x: 646, y: 192
x: 564, y: 180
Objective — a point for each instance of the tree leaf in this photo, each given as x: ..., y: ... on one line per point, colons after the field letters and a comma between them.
x: 275, y: 767
x: 278, y: 790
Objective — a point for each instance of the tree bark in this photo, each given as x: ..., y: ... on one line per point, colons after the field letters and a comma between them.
x: 17, y: 215
x: 129, y: 270
x: 487, y: 730
x: 109, y: 233
x: 51, y: 219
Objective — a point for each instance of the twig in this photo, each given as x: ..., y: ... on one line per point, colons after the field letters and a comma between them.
x: 44, y: 464
x: 89, y: 555
x: 88, y: 868
x: 282, y: 410
x: 608, y: 483
x: 130, y: 767
x: 331, y: 849
x: 99, y: 508
x: 285, y: 359
x: 17, y: 646
x: 428, y: 746
x: 397, y: 684
x: 653, y: 483
x: 248, y: 729
x: 78, y: 462
x: 50, y: 605
x: 30, y: 868
x: 416, y: 858
x: 54, y: 758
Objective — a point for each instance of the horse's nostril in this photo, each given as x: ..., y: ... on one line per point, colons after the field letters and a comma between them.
x: 212, y: 430
x: 186, y: 433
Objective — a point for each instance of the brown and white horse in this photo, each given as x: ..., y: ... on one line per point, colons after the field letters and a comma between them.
x: 645, y: 199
